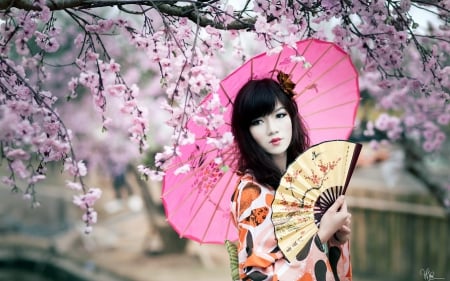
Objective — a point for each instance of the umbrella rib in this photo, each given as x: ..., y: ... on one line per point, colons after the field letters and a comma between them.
x: 329, y: 108
x: 324, y: 73
x: 293, y: 68
x: 196, y: 212
x: 198, y: 209
x: 304, y: 51
x: 330, y: 128
x: 175, y: 210
x: 226, y: 94
x: 179, y: 183
x: 215, y: 210
x: 275, y: 65
x: 251, y: 69
x: 190, y: 175
x: 186, y: 161
x: 318, y: 95
x: 173, y: 165
x: 313, y: 64
x: 307, y: 47
x: 230, y: 223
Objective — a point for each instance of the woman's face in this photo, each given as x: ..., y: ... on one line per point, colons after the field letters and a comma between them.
x: 273, y: 132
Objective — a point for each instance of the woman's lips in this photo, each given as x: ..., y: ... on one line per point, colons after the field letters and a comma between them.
x: 275, y: 141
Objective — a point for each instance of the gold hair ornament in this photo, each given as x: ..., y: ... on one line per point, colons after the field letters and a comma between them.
x: 286, y: 84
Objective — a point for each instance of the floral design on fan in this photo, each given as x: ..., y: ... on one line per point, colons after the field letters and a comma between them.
x: 290, y: 177
x: 291, y: 210
x: 325, y: 168
x: 289, y: 205
x: 318, y: 180
x: 328, y: 166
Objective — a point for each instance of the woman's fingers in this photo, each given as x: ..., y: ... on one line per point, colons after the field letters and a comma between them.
x: 344, y: 205
x: 342, y: 235
x: 344, y: 229
x: 335, y: 218
x: 337, y: 204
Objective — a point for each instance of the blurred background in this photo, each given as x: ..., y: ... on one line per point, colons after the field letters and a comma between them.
x: 400, y: 231
x: 399, y: 198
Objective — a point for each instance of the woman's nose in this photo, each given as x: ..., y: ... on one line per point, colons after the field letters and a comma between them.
x: 271, y: 127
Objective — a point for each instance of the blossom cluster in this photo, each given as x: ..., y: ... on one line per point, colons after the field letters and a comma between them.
x: 401, y: 69
x: 32, y: 131
x: 186, y: 74
x: 405, y: 71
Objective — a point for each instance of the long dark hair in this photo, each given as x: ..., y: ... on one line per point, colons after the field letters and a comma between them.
x: 255, y: 99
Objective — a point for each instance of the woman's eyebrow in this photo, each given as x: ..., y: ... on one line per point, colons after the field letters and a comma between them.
x: 280, y: 108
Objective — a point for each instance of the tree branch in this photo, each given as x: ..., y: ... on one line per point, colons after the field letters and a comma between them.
x: 415, y: 164
x: 166, y: 7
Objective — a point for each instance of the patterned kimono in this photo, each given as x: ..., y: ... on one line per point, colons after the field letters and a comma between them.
x: 259, y: 257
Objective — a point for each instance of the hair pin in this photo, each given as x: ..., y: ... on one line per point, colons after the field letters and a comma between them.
x: 286, y: 84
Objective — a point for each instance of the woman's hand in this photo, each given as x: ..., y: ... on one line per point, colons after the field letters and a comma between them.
x: 342, y: 235
x: 336, y: 221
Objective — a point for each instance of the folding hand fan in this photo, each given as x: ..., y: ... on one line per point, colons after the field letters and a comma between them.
x: 309, y: 187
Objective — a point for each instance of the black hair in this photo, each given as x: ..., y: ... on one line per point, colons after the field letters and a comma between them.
x: 255, y: 99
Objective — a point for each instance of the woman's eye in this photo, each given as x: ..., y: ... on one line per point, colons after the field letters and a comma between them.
x: 281, y: 115
x: 255, y: 122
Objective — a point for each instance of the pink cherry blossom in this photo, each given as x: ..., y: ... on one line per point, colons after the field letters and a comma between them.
x: 19, y: 154
x: 113, y: 66
x: 183, y: 169
x: 20, y: 168
x: 90, y: 217
x: 74, y: 185
x: 7, y: 181
x: 22, y: 47
x: 27, y: 196
x: 87, y: 200
x: 50, y: 70
x: 36, y: 178
x: 116, y: 90
x: 187, y: 138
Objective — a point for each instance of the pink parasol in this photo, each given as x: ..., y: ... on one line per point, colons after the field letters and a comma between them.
x: 199, y: 183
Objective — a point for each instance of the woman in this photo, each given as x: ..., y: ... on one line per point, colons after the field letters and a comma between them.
x: 270, y: 135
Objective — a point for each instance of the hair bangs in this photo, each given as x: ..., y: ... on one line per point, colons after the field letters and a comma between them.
x: 261, y: 103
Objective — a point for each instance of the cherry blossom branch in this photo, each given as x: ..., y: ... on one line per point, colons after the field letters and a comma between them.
x: 184, y: 40
x: 13, y: 155
x: 167, y: 7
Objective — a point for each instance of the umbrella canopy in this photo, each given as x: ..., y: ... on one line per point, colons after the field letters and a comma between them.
x: 198, y: 184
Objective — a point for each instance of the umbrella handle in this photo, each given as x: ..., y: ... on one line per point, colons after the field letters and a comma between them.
x: 234, y: 263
